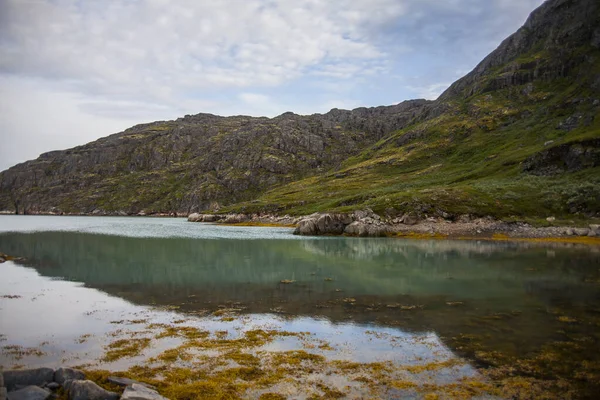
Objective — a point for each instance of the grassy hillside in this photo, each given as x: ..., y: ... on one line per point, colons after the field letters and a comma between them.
x: 474, y: 158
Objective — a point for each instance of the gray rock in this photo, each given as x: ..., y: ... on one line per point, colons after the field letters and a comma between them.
x: 323, y: 224
x: 194, y: 217
x: 595, y: 228
x: 569, y: 232
x: 29, y: 393
x: 117, y: 380
x: 210, y: 218
x: 551, y: 219
x: 235, y: 218
x: 88, y: 390
x: 27, y: 377
x: 140, y: 392
x: 63, y: 374
x: 581, y: 231
x: 358, y: 228
x: 410, y: 219
x: 52, y: 386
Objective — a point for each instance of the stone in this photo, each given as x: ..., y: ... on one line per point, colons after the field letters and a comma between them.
x: 29, y: 393
x: 88, y: 390
x: 140, y: 392
x: 27, y: 377
x: 53, y: 386
x: 551, y: 219
x: 63, y: 374
x: 117, y: 380
x: 358, y: 228
x: 194, y: 217
x: 569, y: 232
x: 581, y: 231
x: 595, y: 228
x: 410, y: 219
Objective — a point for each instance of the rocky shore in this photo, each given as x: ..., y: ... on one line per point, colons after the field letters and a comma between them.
x: 47, y: 383
x: 366, y: 223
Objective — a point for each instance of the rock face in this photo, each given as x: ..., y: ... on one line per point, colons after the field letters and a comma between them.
x: 30, y: 377
x: 558, y: 27
x: 195, y: 161
x: 568, y: 157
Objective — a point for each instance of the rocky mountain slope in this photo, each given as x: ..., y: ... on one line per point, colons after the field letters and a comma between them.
x: 519, y: 136
x: 198, y: 161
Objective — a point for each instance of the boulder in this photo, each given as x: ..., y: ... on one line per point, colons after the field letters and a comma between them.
x: 306, y: 227
x: 194, y: 217
x: 117, y: 380
x: 581, y: 231
x: 64, y: 374
x: 210, y: 218
x: 358, y: 228
x: 88, y: 390
x: 323, y: 224
x: 29, y: 393
x: 410, y: 219
x: 141, y: 392
x: 595, y: 228
x: 235, y: 218
x: 27, y: 377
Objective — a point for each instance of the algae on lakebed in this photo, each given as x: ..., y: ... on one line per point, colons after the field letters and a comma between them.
x: 219, y: 366
x: 227, y: 366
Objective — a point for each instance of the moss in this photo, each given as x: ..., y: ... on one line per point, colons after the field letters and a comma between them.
x: 125, y: 348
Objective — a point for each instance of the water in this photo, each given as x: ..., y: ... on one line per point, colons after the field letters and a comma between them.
x: 492, y: 305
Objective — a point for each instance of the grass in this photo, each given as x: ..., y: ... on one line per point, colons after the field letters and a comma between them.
x: 467, y: 161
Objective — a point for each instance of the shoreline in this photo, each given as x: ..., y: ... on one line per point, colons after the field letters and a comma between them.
x: 368, y: 224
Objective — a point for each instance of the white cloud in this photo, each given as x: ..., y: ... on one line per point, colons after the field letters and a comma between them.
x: 77, y: 70
x: 429, y: 92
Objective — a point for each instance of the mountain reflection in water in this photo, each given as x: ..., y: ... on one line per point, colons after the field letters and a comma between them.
x: 479, y: 298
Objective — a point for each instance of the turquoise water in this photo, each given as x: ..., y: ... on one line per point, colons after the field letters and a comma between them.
x: 464, y: 298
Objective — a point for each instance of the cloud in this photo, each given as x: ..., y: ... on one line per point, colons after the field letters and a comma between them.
x: 429, y: 92
x: 116, y: 61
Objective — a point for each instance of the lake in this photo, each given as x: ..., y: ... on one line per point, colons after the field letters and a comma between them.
x: 262, y: 312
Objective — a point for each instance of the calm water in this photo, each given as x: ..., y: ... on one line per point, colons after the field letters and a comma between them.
x: 436, y: 299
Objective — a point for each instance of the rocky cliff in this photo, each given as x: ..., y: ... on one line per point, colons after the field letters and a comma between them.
x: 518, y: 136
x: 198, y: 161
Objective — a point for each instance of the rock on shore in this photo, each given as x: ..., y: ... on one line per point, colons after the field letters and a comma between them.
x: 41, y: 383
x: 366, y: 223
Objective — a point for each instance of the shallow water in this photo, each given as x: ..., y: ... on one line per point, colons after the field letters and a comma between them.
x: 409, y: 302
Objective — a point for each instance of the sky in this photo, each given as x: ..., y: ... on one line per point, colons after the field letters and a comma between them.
x: 72, y: 71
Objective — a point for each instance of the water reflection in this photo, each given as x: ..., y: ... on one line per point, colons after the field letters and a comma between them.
x: 478, y: 298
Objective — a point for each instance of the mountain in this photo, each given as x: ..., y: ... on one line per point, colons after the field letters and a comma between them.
x: 517, y: 137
